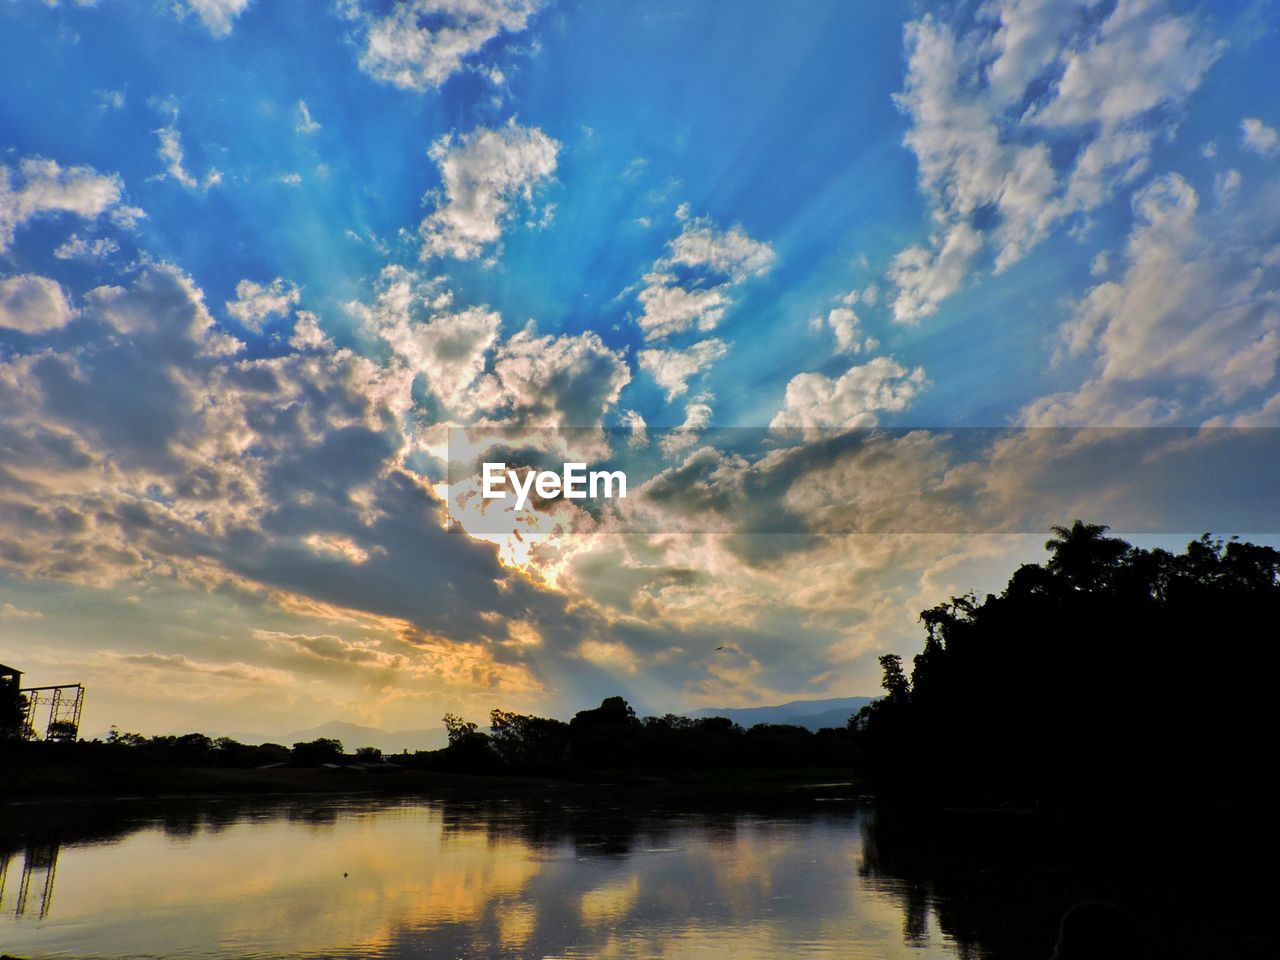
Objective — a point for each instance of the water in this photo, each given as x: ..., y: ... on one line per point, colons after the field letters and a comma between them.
x: 453, y: 879
x: 607, y: 873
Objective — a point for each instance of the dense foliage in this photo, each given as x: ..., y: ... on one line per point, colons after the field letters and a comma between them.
x: 1109, y: 676
x: 612, y: 737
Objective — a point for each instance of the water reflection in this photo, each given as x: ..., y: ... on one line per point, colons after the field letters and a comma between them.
x: 573, y: 876
x: 39, y: 868
x: 539, y: 877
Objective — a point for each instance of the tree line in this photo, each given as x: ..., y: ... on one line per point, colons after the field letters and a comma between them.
x: 1110, y: 677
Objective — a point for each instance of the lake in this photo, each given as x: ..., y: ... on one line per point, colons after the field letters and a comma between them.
x: 561, y: 875
x: 455, y: 879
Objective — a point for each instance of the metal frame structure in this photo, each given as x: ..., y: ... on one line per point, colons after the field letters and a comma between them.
x: 65, y: 702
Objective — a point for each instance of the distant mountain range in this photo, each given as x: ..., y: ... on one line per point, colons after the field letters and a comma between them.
x: 353, y: 736
x: 811, y: 714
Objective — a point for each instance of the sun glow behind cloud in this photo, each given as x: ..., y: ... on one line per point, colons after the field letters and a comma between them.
x: 239, y: 318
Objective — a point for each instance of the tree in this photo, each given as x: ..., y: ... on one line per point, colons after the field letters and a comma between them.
x: 895, y: 680
x: 315, y: 752
x: 457, y: 729
x: 1082, y: 555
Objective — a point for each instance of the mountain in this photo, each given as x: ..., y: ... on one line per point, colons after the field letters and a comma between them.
x: 353, y: 735
x: 812, y: 714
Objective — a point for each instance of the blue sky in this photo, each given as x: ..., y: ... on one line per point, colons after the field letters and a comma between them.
x: 256, y: 254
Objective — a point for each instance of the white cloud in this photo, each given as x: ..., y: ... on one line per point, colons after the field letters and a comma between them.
x: 924, y: 278
x: 1142, y: 56
x: 303, y: 121
x: 484, y: 173
x: 174, y: 157
x: 419, y: 44
x: 33, y: 304
x: 697, y: 416
x: 1226, y: 185
x: 1193, y: 325
x: 672, y: 369
x: 843, y: 322
x: 76, y: 247
x: 255, y: 303
x: 44, y: 187
x: 1258, y: 137
x: 218, y: 16
x: 449, y: 348
x: 552, y: 382
x: 851, y: 400
x: 987, y: 105
x: 689, y: 287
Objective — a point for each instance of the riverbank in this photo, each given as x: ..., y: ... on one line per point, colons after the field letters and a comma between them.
x: 52, y: 782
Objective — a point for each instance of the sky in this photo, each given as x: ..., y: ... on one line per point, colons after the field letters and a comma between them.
x: 259, y: 257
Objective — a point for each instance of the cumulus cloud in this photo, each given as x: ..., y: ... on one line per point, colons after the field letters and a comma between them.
x: 689, y: 287
x: 672, y: 369
x: 991, y: 106
x: 255, y: 303
x: 218, y: 16
x: 1258, y: 137
x: 419, y: 44
x: 484, y: 174
x: 851, y: 400
x: 151, y: 448
x: 33, y: 304
x: 555, y: 381
x: 40, y: 187
x: 1192, y: 325
x: 449, y: 348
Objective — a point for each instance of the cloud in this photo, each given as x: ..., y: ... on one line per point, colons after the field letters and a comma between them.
x: 484, y: 173
x: 255, y: 303
x: 554, y: 381
x: 151, y: 449
x: 1226, y: 185
x: 171, y: 152
x: 1258, y: 137
x: 1142, y: 56
x: 327, y: 647
x: 672, y: 369
x: 218, y: 16
x: 844, y: 323
x: 689, y: 286
x: 419, y: 44
x: 9, y: 612
x: 76, y: 247
x: 33, y: 304
x: 450, y: 348
x: 181, y: 664
x: 851, y: 400
x: 303, y: 121
x: 1193, y: 324
x: 1037, y: 113
x: 697, y: 417
x: 924, y: 277
x: 42, y: 187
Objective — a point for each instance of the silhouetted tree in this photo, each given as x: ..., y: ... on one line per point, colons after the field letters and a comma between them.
x: 1073, y: 688
x: 314, y: 752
